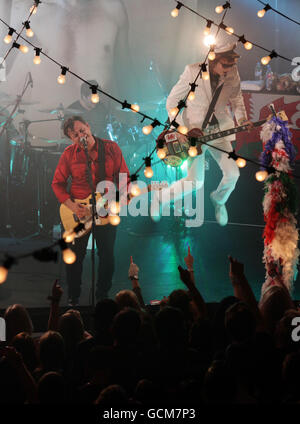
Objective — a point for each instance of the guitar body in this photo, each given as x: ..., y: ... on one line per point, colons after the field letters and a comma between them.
x: 70, y: 220
x: 176, y: 146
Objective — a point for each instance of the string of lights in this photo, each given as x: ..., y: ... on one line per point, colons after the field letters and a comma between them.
x: 247, y: 43
x: 68, y: 256
x: 261, y: 13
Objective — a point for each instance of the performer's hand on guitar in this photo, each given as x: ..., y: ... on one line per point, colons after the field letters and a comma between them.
x: 248, y: 124
x: 80, y: 210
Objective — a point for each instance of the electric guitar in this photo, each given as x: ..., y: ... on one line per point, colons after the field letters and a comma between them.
x: 176, y: 145
x: 70, y: 220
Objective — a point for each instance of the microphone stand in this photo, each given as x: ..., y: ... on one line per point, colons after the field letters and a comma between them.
x: 94, y: 216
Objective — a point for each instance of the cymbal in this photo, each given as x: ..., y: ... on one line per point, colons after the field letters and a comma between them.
x: 66, y: 111
x: 22, y: 103
x: 59, y: 141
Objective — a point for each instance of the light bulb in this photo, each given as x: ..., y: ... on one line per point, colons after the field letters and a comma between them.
x: 61, y: 79
x: 3, y: 274
x: 248, y: 45
x: 182, y: 129
x: 174, y: 111
x: 33, y: 9
x: 114, y: 219
x: 265, y: 60
x: 135, y: 108
x: 115, y: 208
x: 205, y: 75
x: 147, y: 129
x: 135, y: 190
x: 29, y: 33
x: 23, y: 48
x: 69, y: 236
x: 7, y: 39
x: 193, y: 151
x: 261, y: 175
x: 161, y: 153
x: 241, y: 163
x: 211, y: 55
x: 36, y: 60
x: 219, y: 9
x: 95, y: 98
x: 191, y: 96
x: 261, y: 13
x: 69, y: 257
x: 174, y: 13
x: 229, y: 30
x: 209, y: 40
x: 148, y: 172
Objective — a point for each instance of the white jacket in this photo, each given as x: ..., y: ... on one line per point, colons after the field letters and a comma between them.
x: 193, y: 115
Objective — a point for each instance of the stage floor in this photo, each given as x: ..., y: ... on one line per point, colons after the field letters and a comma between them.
x: 157, y: 249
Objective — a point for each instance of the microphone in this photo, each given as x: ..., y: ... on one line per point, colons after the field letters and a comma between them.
x: 83, y: 141
x: 30, y: 79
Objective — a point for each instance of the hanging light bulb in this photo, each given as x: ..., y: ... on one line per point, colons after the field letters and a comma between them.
x: 114, y: 219
x: 7, y: 39
x: 205, y: 74
x: 95, y: 98
x: 29, y: 31
x: 182, y: 129
x: 192, y: 151
x: 248, y: 45
x: 135, y: 108
x: 261, y: 175
x: 147, y: 129
x: 175, y: 12
x: 37, y: 58
x: 22, y: 47
x: 209, y: 40
x: 191, y: 96
x: 61, y: 79
x: 161, y: 153
x: 115, y: 207
x: 229, y: 30
x: 261, y: 13
x: 207, y: 28
x: 69, y: 257
x: 241, y: 163
x: 219, y: 9
x: 266, y: 59
x: 69, y: 236
x: 33, y: 9
x: 3, y: 274
x: 174, y: 111
x: 212, y: 54
x: 148, y: 171
x: 135, y: 190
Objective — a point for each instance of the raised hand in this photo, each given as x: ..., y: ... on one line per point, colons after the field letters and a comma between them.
x: 133, y: 269
x: 185, y: 276
x: 57, y: 291
x: 189, y: 260
x: 236, y: 269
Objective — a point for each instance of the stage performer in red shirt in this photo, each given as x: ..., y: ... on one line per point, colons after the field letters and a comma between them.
x: 73, y: 164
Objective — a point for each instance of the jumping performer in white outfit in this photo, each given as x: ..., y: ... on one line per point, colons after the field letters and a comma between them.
x: 222, y: 69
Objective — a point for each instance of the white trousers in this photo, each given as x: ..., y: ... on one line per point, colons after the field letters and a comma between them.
x: 196, y: 175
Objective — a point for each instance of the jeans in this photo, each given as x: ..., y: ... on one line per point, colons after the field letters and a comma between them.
x: 105, y: 236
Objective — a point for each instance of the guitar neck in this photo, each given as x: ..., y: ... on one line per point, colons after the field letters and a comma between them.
x: 225, y: 133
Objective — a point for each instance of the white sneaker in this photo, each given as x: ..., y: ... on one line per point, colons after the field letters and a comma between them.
x: 220, y: 212
x: 155, y: 207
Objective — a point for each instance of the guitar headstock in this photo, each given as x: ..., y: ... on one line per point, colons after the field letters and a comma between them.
x: 281, y: 114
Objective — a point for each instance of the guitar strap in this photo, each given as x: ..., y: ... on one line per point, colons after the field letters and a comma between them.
x: 101, y: 160
x: 212, y: 105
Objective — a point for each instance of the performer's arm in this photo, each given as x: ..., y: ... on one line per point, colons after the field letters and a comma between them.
x: 237, y: 101
x: 179, y: 91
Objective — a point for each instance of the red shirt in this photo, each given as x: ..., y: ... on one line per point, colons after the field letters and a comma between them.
x: 72, y: 163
